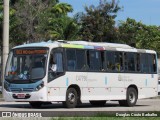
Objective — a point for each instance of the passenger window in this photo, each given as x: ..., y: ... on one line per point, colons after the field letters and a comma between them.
x: 71, y: 59
x: 118, y: 61
x: 130, y: 62
x: 110, y: 60
x: 55, y: 68
x: 103, y: 61
x: 59, y: 62
x: 144, y: 63
x: 114, y: 61
x: 81, y: 60
x: 138, y: 62
x: 152, y: 63
x: 94, y: 60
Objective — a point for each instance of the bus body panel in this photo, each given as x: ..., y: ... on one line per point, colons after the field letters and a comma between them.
x: 99, y: 85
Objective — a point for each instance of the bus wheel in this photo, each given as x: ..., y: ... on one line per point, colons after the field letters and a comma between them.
x: 36, y: 104
x: 98, y: 103
x: 71, y: 98
x: 131, y: 100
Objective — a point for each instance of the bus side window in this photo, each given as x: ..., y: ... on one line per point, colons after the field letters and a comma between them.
x: 110, y: 60
x: 94, y: 60
x: 52, y: 63
x: 138, y: 62
x: 55, y: 68
x: 81, y: 60
x: 71, y: 65
x: 71, y: 59
x: 118, y: 61
x: 130, y: 62
x: 152, y: 63
x: 59, y: 62
x: 144, y: 63
x: 103, y: 66
x: 114, y: 61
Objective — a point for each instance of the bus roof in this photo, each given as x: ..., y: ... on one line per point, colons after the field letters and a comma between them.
x: 86, y: 45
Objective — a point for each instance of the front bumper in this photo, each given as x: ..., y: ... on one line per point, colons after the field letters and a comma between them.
x: 40, y: 95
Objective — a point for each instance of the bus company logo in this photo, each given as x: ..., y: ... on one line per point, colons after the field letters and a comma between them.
x: 21, y: 90
x: 6, y: 114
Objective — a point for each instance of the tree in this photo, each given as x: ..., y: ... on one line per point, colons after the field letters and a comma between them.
x: 39, y: 19
x: 149, y: 38
x: 61, y: 9
x: 129, y: 29
x: 98, y: 22
x: 63, y: 27
x: 143, y: 36
x: 13, y: 20
x: 32, y: 14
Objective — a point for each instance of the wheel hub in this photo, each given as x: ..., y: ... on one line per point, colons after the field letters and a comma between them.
x: 132, y: 97
x: 71, y: 97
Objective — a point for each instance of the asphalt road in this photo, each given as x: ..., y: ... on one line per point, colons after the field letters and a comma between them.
x: 58, y: 109
x: 142, y: 105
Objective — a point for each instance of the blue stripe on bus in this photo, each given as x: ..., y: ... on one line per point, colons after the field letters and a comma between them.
x: 146, y: 82
x: 106, y: 81
x: 152, y: 76
x: 88, y: 47
x: 67, y: 81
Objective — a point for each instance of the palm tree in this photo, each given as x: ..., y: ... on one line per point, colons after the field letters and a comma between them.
x: 63, y: 28
x: 62, y: 8
x: 60, y: 25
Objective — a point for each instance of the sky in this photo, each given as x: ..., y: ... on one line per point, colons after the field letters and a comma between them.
x: 146, y: 11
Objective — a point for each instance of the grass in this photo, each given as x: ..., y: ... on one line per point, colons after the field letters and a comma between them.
x: 111, y: 116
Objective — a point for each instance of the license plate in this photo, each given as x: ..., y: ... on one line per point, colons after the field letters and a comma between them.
x: 20, y: 95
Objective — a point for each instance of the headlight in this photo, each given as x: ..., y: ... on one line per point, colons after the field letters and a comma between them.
x: 40, y: 86
x: 6, y: 86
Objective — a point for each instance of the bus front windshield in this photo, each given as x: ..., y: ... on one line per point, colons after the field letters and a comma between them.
x: 26, y: 64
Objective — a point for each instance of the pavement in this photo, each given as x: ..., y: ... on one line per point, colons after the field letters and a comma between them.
x: 142, y: 105
x: 149, y: 106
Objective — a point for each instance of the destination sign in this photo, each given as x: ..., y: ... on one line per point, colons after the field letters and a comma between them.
x: 30, y: 51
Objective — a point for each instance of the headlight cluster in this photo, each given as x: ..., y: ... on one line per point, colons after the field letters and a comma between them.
x: 40, y: 86
x: 6, y: 86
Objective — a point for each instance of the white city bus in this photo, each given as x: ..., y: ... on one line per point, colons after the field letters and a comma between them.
x: 74, y: 71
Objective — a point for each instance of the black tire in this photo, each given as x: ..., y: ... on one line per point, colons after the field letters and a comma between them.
x: 131, y: 99
x: 35, y: 104
x: 71, y: 98
x: 98, y: 103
